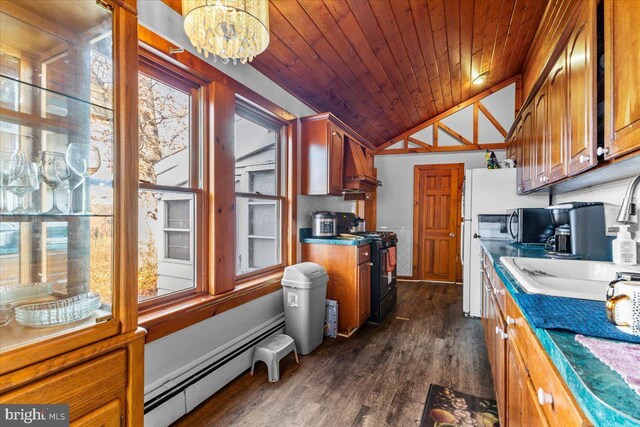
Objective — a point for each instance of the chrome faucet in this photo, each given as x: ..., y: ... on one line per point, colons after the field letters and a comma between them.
x: 628, y: 211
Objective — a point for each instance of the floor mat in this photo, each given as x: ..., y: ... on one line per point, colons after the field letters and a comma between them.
x: 446, y: 407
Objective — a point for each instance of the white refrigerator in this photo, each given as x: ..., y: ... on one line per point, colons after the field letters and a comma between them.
x: 486, y: 191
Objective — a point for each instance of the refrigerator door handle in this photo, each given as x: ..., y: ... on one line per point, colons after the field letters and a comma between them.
x: 462, y: 243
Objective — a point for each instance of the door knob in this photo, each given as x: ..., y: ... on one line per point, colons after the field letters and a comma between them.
x: 452, y: 235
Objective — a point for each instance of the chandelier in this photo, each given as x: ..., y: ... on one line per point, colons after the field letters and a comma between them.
x: 235, y: 30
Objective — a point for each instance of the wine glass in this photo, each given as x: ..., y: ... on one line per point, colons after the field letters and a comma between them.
x: 25, y: 183
x: 67, y: 180
x: 84, y: 160
x: 48, y: 159
x: 11, y: 165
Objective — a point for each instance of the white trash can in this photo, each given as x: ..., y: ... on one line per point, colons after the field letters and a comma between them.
x: 305, y: 292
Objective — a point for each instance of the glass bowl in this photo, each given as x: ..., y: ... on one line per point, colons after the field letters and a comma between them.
x: 6, y: 313
x: 58, y: 312
x: 24, y: 291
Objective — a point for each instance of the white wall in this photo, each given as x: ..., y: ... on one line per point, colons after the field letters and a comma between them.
x: 307, y: 205
x: 170, y: 355
x: 611, y: 192
x: 395, y: 197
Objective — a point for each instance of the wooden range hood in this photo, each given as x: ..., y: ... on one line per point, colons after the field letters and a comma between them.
x: 358, y: 168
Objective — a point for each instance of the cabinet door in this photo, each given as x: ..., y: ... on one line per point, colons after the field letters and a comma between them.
x: 336, y: 160
x: 622, y: 77
x: 499, y: 361
x: 539, y: 138
x: 522, y: 406
x: 364, y: 292
x: 581, y: 93
x: 557, y: 110
x: 519, y: 159
x: 108, y: 415
x: 528, y: 161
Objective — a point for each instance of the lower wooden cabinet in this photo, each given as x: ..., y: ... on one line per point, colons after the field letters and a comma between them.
x: 349, y: 269
x: 102, y: 383
x: 529, y: 389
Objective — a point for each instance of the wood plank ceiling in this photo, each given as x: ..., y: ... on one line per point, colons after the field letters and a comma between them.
x: 385, y: 66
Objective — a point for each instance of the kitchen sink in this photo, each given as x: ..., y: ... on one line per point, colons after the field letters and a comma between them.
x: 565, y: 278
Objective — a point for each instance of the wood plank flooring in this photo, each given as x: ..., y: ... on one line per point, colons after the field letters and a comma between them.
x: 378, y: 377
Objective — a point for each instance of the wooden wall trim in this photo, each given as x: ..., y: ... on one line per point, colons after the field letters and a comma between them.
x: 445, y: 114
x: 126, y: 188
x: 221, y: 197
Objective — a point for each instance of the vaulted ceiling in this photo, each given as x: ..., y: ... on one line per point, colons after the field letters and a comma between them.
x: 385, y: 66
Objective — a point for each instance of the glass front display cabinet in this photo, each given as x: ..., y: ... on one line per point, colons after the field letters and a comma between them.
x: 56, y: 169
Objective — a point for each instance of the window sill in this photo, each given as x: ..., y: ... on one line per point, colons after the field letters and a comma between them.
x: 165, y: 320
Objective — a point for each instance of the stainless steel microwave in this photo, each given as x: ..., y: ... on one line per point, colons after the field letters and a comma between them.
x: 530, y: 225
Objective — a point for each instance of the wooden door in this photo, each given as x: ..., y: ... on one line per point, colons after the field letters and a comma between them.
x: 528, y: 162
x: 499, y: 359
x: 336, y: 160
x: 364, y: 291
x: 436, y: 213
x: 516, y: 387
x: 519, y: 158
x: 557, y: 109
x: 581, y: 93
x: 622, y: 77
x: 539, y: 138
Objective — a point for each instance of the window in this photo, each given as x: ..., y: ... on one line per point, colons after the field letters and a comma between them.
x: 170, y: 183
x: 259, y: 200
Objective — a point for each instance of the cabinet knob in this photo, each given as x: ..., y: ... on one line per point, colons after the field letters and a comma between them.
x: 366, y: 254
x: 544, y: 397
x: 371, y: 264
x: 601, y: 151
x: 511, y: 320
x: 583, y: 158
x: 501, y: 333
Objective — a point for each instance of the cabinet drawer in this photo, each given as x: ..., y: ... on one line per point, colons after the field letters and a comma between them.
x: 364, y: 254
x: 562, y: 408
x: 85, y: 387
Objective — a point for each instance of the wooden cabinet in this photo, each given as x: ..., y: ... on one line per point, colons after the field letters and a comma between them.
x: 581, y: 92
x: 109, y: 415
x: 334, y: 158
x: 66, y: 110
x: 539, y: 139
x: 349, y: 269
x: 322, y: 155
x: 526, y: 146
x: 557, y: 120
x: 364, y: 292
x: 520, y: 367
x: 622, y: 77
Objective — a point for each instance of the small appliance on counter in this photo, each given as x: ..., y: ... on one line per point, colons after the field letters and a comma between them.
x: 348, y: 222
x: 324, y: 224
x: 530, y: 225
x: 559, y: 245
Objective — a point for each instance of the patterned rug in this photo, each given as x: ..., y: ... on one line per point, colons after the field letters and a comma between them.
x: 447, y: 408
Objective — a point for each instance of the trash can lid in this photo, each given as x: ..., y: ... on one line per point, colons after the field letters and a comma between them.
x: 304, y: 275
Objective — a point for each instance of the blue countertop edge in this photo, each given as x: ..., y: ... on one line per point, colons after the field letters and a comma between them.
x: 305, y: 237
x: 603, y: 395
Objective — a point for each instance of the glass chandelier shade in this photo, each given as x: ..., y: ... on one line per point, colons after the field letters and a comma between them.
x: 235, y: 30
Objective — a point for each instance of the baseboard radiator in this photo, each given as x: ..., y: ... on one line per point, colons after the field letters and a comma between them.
x: 178, y: 396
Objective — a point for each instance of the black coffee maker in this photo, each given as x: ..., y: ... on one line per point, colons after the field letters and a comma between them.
x: 559, y: 245
x: 580, y: 232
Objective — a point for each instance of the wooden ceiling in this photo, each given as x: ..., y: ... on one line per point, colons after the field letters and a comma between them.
x: 385, y: 66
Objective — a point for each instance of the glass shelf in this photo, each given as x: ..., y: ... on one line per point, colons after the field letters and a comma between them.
x: 56, y: 156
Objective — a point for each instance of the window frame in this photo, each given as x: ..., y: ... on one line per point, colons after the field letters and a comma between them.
x: 259, y: 116
x: 162, y: 70
x: 189, y: 230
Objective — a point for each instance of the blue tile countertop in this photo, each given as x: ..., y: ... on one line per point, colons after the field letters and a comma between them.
x: 305, y: 237
x: 603, y: 395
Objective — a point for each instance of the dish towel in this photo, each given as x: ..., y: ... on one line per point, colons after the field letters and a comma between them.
x: 392, y: 259
x: 579, y: 316
x: 623, y: 358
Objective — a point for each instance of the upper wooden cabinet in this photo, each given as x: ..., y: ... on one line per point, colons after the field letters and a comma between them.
x: 581, y: 92
x: 333, y: 158
x: 557, y: 120
x: 622, y: 77
x: 539, y: 138
x: 322, y: 155
x: 527, y: 153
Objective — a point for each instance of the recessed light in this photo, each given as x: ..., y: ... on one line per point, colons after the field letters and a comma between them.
x: 479, y: 79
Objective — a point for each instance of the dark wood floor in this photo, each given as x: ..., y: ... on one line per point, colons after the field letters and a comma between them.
x: 378, y: 377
